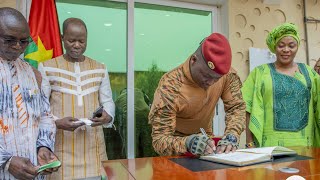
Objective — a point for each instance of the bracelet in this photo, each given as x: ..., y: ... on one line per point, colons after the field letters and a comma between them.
x: 250, y: 144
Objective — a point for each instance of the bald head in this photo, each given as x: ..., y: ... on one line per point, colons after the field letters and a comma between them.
x: 10, y: 17
x: 14, y: 33
x: 7, y: 11
x: 73, y: 21
x: 74, y: 39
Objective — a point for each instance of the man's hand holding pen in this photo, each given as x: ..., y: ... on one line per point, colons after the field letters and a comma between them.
x: 200, y: 144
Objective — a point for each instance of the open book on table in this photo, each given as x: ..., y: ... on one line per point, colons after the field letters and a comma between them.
x: 244, y: 157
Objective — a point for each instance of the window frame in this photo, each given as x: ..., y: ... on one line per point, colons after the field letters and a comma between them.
x: 216, y: 26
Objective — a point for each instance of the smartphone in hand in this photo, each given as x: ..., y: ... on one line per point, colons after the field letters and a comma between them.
x: 98, y: 112
x: 53, y: 164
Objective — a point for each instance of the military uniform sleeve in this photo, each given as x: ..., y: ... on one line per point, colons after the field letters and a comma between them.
x: 162, y: 118
x: 234, y: 105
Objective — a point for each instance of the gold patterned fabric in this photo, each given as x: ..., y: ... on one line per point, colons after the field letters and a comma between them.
x: 180, y: 108
x: 81, y: 151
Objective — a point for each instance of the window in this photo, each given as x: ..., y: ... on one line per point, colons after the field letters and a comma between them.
x: 164, y: 38
x: 165, y: 35
x: 107, y: 43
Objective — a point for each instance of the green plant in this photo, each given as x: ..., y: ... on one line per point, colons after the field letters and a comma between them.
x: 148, y: 80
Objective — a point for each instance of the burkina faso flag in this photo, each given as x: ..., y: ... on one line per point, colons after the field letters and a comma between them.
x: 45, y: 32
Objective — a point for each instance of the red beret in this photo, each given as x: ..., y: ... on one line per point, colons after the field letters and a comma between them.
x: 217, y: 53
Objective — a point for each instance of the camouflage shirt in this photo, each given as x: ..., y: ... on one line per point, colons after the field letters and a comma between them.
x: 180, y: 108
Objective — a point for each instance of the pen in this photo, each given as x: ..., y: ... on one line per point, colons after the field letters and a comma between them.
x: 205, y: 134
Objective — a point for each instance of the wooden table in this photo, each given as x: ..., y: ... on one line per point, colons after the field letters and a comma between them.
x: 161, y: 168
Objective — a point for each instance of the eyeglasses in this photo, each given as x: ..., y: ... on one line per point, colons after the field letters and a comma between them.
x: 13, y: 41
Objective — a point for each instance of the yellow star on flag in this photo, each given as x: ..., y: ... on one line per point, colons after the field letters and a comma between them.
x: 42, y: 54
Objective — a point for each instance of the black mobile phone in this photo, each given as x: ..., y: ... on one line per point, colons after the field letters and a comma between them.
x: 98, y: 112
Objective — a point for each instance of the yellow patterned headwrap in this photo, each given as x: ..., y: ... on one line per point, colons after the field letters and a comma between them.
x: 286, y: 29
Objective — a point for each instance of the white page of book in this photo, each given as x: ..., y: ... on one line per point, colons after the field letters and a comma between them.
x: 263, y: 150
x: 235, y: 157
x: 268, y: 150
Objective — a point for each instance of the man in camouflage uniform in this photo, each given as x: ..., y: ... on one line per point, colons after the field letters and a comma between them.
x: 186, y: 98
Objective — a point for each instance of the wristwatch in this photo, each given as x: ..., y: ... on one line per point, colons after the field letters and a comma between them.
x: 250, y: 144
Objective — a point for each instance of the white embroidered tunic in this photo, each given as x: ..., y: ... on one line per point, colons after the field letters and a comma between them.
x: 77, y: 90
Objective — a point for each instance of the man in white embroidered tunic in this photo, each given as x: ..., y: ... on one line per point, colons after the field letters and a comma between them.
x: 27, y: 130
x: 78, y: 86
